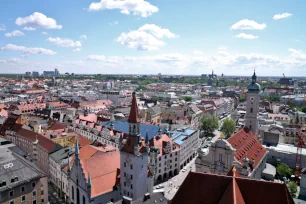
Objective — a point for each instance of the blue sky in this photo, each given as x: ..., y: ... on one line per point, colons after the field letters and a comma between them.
x: 152, y: 36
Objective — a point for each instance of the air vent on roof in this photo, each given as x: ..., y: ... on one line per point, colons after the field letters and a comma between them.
x: 9, y: 165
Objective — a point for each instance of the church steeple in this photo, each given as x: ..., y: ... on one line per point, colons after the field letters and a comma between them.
x: 76, y: 147
x: 254, y: 77
x: 134, y: 117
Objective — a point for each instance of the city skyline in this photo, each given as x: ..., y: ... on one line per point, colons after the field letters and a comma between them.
x: 151, y: 37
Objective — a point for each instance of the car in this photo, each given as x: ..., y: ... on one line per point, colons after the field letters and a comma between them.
x: 159, y: 186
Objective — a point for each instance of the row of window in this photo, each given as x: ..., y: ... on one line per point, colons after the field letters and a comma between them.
x: 23, y: 200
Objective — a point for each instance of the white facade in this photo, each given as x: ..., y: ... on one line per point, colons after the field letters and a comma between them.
x: 252, y: 106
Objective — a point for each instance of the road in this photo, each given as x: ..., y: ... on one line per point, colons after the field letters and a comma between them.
x: 53, y: 197
x: 171, y: 186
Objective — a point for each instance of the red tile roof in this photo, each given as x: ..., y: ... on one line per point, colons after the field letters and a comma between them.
x: 213, y: 189
x: 160, y: 142
x: 134, y: 115
x: 130, y: 142
x: 247, y: 145
x: 89, y: 118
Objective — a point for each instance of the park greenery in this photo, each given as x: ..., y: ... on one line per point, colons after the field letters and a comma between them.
x: 187, y: 98
x: 208, y: 124
x: 292, y: 186
x: 283, y: 170
x: 228, y: 127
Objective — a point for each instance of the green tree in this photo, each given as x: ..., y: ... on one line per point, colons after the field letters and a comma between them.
x: 187, y: 98
x: 283, y: 170
x: 303, y: 109
x: 292, y: 186
x: 228, y: 127
x: 209, y: 123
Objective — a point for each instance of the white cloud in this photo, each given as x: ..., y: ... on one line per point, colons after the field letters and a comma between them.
x: 96, y: 57
x: 77, y: 50
x: 246, y: 36
x: 44, y: 33
x: 114, y: 23
x: 198, y: 52
x: 83, y: 37
x: 147, y: 37
x: 27, y: 50
x: 282, y: 15
x: 297, y: 54
x: 246, y: 24
x: 2, y: 27
x: 38, y: 20
x: 15, y: 33
x: 135, y: 7
x: 64, y: 42
x: 29, y: 28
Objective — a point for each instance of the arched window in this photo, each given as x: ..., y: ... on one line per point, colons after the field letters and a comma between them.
x: 251, y: 110
x: 72, y: 192
x: 84, y: 201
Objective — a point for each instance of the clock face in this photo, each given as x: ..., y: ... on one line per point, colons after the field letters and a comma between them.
x: 252, y: 98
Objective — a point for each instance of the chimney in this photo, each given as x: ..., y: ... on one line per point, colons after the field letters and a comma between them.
x: 146, y: 197
x: 126, y: 200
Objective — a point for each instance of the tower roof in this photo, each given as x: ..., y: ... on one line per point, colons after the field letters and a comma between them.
x: 253, y: 86
x: 134, y: 115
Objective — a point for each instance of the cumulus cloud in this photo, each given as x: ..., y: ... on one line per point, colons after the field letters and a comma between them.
x: 77, y: 50
x: 246, y: 36
x: 2, y: 27
x: 64, y: 42
x: 198, y: 52
x: 15, y: 33
x: 135, y: 7
x: 44, y: 33
x: 246, y: 24
x: 27, y: 50
x: 282, y: 15
x: 38, y: 20
x: 29, y: 28
x: 83, y: 37
x: 147, y: 37
x: 96, y: 57
x: 297, y: 54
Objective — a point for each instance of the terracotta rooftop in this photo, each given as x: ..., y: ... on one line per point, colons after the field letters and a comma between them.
x: 89, y: 118
x: 247, y: 145
x: 160, y: 141
x: 229, y: 190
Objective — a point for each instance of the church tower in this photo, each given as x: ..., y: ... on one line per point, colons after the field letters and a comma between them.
x: 135, y: 177
x: 253, y: 98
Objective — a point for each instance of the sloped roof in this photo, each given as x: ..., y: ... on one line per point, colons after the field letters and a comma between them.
x: 216, y: 189
x: 247, y: 145
x: 134, y: 115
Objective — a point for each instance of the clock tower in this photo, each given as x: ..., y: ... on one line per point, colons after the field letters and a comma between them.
x: 135, y: 177
x: 253, y: 98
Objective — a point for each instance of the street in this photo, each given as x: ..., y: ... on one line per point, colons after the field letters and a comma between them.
x: 171, y: 186
x: 53, y: 197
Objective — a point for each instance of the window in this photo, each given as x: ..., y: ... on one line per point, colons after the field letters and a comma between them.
x: 124, y: 174
x: 84, y: 201
x: 124, y: 183
x: 131, y: 166
x: 34, y: 193
x: 170, y: 155
x: 11, y: 193
x: 2, y: 184
x: 159, y: 171
x: 12, y: 202
x: 42, y: 200
x: 124, y: 164
x: 33, y: 184
x: 159, y: 165
x: 220, y: 157
x: 131, y: 186
x: 159, y: 158
x: 72, y: 192
x: 23, y: 198
x: 34, y: 202
x: 42, y: 192
x: 251, y: 110
x: 166, y: 157
x: 131, y: 177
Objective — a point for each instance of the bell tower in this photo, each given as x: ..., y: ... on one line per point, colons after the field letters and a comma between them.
x: 252, y: 107
x: 134, y: 117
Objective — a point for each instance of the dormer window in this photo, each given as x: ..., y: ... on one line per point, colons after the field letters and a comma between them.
x: 14, y: 179
x: 2, y: 184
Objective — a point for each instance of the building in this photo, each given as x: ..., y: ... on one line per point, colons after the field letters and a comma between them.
x: 49, y: 73
x: 241, y: 150
x: 93, y: 175
x: 34, y: 145
x: 20, y: 180
x: 253, y: 98
x: 188, y: 141
x: 136, y: 176
x: 28, y: 73
x: 231, y: 189
x: 34, y: 73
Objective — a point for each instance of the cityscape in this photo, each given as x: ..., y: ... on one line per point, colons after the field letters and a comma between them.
x: 152, y: 102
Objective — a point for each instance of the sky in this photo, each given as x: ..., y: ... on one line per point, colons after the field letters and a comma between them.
x: 179, y: 37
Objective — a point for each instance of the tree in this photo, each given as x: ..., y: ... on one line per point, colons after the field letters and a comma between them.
x: 283, y: 170
x: 292, y: 186
x: 188, y: 98
x: 209, y: 123
x: 303, y: 109
x: 228, y: 127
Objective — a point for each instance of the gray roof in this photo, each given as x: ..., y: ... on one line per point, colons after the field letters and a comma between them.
x: 12, y: 165
x: 61, y: 154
